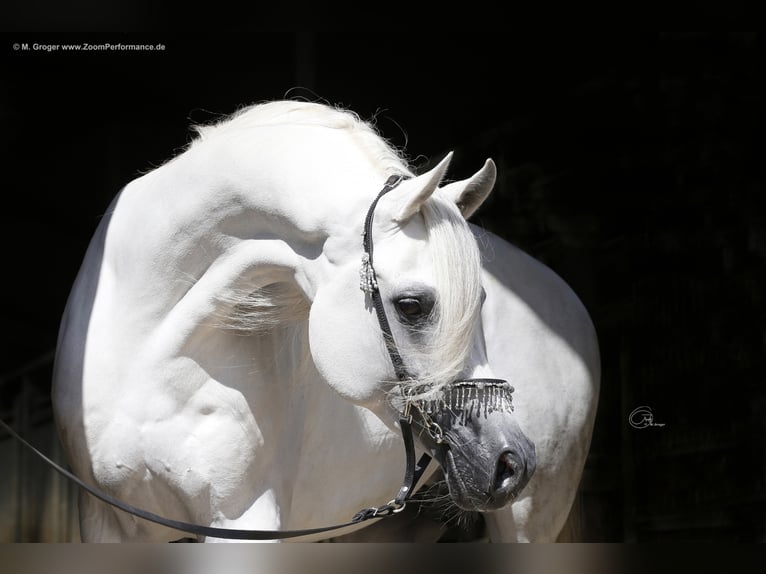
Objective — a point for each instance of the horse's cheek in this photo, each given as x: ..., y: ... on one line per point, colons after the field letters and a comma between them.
x: 342, y: 341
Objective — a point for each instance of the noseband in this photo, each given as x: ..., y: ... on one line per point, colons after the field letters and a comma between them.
x: 460, y: 398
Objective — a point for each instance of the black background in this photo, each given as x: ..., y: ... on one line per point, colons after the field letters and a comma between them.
x: 630, y: 164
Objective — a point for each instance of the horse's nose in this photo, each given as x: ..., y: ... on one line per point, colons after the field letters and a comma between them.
x: 511, y: 475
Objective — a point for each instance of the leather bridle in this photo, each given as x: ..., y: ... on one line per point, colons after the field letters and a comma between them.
x: 457, y: 396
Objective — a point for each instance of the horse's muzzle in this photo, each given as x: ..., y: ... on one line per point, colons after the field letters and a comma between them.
x: 470, y: 428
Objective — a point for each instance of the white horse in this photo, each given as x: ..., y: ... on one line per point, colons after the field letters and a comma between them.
x: 218, y: 363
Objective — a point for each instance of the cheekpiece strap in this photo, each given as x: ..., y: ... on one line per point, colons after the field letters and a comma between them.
x: 369, y: 282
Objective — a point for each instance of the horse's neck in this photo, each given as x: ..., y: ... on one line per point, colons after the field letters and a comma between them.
x: 291, y: 181
x: 268, y: 201
x: 184, y: 242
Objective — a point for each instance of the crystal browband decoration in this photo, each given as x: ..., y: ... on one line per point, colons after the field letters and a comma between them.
x: 467, y: 399
x: 367, y: 281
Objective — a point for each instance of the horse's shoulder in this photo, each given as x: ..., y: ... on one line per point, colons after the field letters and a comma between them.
x: 522, y: 280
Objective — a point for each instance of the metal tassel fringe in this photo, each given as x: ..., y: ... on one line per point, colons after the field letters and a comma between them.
x: 468, y: 400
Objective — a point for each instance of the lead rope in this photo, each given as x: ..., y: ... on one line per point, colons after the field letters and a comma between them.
x: 413, y: 471
x: 211, y: 531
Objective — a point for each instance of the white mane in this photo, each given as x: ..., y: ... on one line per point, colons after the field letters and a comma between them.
x: 309, y: 114
x: 457, y: 272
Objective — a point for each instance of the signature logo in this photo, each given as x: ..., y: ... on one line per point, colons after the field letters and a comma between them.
x: 642, y: 417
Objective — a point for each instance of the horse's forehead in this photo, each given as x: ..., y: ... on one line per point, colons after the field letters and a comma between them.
x: 404, y: 246
x: 407, y: 254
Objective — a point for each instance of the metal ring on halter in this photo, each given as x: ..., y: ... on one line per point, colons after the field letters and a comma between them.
x: 391, y: 507
x: 438, y: 434
x: 396, y: 510
x: 433, y: 429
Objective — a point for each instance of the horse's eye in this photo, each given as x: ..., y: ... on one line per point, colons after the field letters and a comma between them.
x: 413, y: 309
x: 410, y: 308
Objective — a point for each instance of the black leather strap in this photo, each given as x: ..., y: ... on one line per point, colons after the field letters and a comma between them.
x: 413, y: 471
x: 377, y: 301
x: 412, y: 474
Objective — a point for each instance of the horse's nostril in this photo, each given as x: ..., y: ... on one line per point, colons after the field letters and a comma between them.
x: 504, y: 472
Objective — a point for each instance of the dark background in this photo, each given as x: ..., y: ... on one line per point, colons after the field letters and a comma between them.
x: 630, y: 164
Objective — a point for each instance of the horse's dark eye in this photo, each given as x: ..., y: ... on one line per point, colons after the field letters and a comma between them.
x: 410, y: 308
x: 414, y: 310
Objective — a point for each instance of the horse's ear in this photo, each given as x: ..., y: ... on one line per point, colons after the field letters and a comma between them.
x: 416, y: 191
x: 470, y: 193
